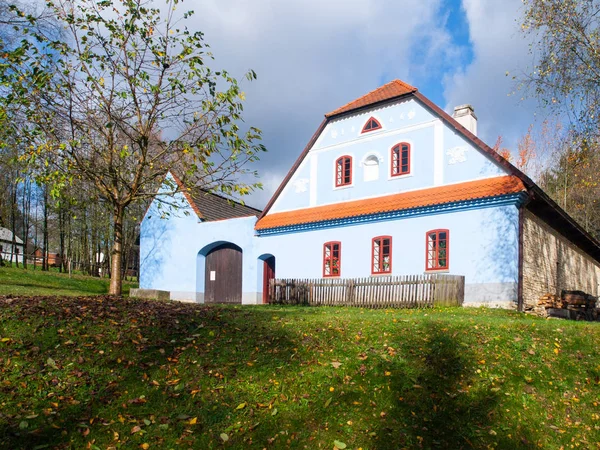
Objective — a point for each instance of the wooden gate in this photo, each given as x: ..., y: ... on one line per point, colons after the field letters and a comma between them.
x: 223, y: 275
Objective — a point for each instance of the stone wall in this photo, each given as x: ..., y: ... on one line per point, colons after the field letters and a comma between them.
x: 552, y: 263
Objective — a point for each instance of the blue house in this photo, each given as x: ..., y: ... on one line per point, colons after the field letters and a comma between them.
x: 389, y: 184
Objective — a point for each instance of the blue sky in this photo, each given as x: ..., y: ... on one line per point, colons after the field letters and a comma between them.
x: 312, y: 56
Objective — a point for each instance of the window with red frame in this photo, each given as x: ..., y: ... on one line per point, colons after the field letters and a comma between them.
x: 343, y: 171
x: 438, y: 245
x: 382, y: 255
x: 332, y: 259
x: 371, y: 125
x: 400, y: 159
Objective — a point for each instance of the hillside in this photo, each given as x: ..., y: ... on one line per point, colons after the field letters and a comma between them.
x: 124, y: 373
x: 19, y: 281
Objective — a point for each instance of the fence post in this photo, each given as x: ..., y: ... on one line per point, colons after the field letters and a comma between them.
x: 349, y: 292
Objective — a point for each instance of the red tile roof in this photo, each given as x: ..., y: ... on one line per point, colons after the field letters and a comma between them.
x: 395, y: 88
x: 470, y: 190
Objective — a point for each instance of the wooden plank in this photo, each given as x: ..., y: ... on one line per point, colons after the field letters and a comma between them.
x: 386, y: 291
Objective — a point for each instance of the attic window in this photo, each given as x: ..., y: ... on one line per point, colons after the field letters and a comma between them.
x: 371, y: 125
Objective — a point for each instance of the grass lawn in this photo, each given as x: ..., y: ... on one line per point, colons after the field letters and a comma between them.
x: 123, y: 373
x: 18, y: 281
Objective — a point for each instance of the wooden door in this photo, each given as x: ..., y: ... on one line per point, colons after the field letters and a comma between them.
x: 223, y: 276
x: 268, y: 274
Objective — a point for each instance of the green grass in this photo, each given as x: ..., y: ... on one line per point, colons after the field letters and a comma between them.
x: 18, y: 281
x: 124, y: 373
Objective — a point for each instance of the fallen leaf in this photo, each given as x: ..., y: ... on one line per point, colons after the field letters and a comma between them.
x: 50, y: 362
x: 339, y: 445
x: 136, y: 429
x: 336, y: 364
x: 193, y: 421
x: 224, y: 437
x: 241, y: 406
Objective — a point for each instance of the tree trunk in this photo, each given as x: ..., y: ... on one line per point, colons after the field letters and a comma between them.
x: 14, y: 249
x: 26, y: 215
x: 45, y: 232
x: 61, y: 234
x: 117, y: 251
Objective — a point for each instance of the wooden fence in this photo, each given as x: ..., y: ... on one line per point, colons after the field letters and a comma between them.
x: 405, y: 291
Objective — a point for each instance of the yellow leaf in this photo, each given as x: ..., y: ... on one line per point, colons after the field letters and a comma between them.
x: 556, y: 351
x: 193, y: 421
x: 145, y: 446
x: 241, y: 406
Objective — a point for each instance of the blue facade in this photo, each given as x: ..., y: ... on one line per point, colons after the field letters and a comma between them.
x: 484, y: 237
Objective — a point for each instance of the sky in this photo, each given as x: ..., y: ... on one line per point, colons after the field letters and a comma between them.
x: 312, y: 56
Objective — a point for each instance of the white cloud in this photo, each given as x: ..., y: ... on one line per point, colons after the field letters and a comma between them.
x: 312, y: 56
x: 498, y: 47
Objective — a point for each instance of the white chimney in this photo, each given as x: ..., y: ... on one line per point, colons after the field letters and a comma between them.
x: 465, y: 115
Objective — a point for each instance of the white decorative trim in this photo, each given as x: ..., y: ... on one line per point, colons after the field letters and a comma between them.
x: 399, y: 177
x: 368, y: 155
x: 438, y: 153
x: 300, y: 185
x: 457, y: 154
x: 375, y: 135
x: 393, y: 193
x: 290, y: 183
x: 314, y: 170
x: 372, y: 170
x: 380, y: 110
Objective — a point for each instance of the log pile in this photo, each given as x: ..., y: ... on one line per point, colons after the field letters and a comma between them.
x: 575, y: 305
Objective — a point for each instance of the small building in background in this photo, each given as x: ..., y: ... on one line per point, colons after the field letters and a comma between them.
x: 54, y: 258
x: 9, y: 250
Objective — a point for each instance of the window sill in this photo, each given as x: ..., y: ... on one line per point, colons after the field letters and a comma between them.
x: 437, y: 271
x: 381, y: 274
x: 400, y: 177
x: 345, y: 186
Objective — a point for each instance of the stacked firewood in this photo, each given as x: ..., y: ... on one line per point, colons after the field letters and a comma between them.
x: 572, y: 304
x: 550, y: 301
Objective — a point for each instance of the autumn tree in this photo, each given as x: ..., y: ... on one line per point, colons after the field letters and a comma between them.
x: 565, y: 37
x: 125, y: 96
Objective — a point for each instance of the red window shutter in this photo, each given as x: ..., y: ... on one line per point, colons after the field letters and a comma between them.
x: 400, y: 157
x: 437, y: 250
x: 332, y: 259
x: 343, y: 171
x: 381, y: 255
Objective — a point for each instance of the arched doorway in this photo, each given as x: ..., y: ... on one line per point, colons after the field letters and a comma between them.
x: 266, y: 272
x: 223, y: 274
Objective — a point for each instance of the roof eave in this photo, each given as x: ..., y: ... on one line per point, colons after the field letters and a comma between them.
x: 360, y: 109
